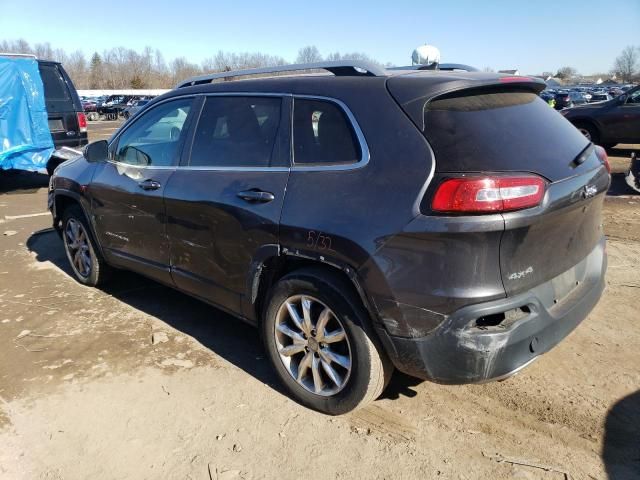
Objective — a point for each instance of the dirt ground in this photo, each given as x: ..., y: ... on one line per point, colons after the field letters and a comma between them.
x: 139, y: 381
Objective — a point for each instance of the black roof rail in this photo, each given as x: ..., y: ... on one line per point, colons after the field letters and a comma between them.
x: 340, y: 68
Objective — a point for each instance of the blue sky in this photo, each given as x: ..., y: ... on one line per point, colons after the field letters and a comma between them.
x: 532, y: 36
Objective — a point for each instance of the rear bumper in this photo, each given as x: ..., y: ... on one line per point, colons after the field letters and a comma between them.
x: 459, y: 351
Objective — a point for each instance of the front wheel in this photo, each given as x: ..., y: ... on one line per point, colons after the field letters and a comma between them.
x: 317, y: 337
x: 88, y: 266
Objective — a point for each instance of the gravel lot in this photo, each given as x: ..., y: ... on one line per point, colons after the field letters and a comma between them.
x: 139, y: 381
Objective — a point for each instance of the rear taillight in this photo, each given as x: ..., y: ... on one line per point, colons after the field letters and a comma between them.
x: 601, y: 153
x: 488, y: 194
x: 82, y: 122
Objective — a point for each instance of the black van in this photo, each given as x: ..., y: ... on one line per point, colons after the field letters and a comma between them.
x: 67, y: 121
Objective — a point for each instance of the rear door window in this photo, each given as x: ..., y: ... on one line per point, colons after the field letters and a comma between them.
x: 237, y: 131
x: 323, y: 134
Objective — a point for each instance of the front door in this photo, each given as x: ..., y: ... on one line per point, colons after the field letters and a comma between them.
x: 127, y: 191
x: 225, y: 203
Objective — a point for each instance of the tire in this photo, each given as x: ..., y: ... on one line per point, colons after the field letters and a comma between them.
x: 589, y: 131
x: 350, y: 385
x: 87, y: 265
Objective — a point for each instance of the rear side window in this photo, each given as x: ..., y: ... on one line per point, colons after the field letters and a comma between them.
x: 236, y: 132
x: 487, y: 130
x: 322, y: 134
x: 55, y: 87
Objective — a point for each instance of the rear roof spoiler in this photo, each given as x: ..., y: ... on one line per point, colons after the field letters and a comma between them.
x: 413, y: 90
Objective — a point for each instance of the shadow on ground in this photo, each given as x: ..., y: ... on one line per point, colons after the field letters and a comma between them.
x: 219, y: 332
x: 621, y: 449
x: 223, y: 334
x: 16, y: 181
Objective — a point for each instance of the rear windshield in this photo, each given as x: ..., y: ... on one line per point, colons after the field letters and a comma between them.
x: 55, y: 87
x: 500, y: 131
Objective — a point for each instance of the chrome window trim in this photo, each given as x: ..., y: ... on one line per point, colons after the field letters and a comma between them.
x: 364, y: 148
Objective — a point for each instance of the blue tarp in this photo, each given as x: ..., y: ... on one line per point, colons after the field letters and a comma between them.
x: 25, y: 139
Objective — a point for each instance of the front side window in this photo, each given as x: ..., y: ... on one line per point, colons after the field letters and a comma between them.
x: 154, y: 139
x: 236, y: 132
x: 634, y: 98
x: 322, y: 134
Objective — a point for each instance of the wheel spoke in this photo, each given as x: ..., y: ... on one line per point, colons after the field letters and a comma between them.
x: 295, y: 317
x: 306, y: 311
x: 295, y: 336
x: 333, y: 357
x: 292, y: 349
x: 335, y: 336
x: 323, y: 319
x: 332, y: 374
x: 318, y: 383
x: 304, y: 365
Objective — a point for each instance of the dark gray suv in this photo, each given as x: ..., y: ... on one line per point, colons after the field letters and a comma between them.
x: 447, y: 224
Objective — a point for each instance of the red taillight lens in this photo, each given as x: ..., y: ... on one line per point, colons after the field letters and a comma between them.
x: 82, y: 122
x: 488, y: 194
x: 602, y: 155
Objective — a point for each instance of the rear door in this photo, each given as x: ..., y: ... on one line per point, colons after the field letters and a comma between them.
x: 127, y: 191
x: 224, y: 205
x: 63, y: 105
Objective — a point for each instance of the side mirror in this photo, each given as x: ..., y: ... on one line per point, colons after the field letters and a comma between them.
x: 96, y: 151
x: 622, y: 99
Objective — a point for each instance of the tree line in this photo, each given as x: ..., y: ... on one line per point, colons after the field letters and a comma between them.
x: 121, y: 68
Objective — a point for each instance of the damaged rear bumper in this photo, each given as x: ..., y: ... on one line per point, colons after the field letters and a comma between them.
x: 493, y: 340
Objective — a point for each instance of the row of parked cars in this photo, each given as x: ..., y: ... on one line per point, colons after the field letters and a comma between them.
x: 570, y: 97
x: 113, y: 106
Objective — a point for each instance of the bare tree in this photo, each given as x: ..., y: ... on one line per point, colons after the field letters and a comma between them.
x: 626, y: 64
x: 309, y: 54
x: 566, y: 73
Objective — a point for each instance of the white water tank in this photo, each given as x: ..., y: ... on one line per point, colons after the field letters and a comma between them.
x: 425, y: 55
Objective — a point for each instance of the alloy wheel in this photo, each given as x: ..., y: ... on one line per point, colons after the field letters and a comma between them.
x: 313, y: 345
x: 77, y: 243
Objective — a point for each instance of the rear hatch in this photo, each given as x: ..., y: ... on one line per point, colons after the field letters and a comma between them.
x: 502, y: 128
x: 63, y: 106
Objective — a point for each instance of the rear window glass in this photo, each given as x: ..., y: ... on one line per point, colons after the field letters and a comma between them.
x: 55, y: 87
x: 498, y: 131
x: 322, y: 134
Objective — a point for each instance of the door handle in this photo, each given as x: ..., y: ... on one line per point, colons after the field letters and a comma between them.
x: 256, y: 196
x: 149, y: 185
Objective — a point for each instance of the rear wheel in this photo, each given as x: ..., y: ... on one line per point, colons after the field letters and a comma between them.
x: 317, y: 338
x: 589, y: 131
x: 88, y: 266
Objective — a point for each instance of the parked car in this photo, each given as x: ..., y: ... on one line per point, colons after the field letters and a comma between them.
x: 135, y: 108
x: 568, y: 100
x: 413, y: 233
x: 599, y: 97
x: 610, y: 122
x: 67, y: 120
